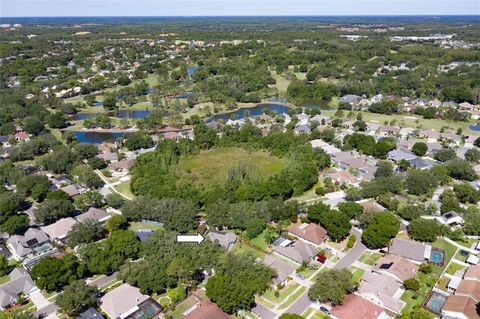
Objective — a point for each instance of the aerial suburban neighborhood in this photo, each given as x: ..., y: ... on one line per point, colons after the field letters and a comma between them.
x: 215, y: 168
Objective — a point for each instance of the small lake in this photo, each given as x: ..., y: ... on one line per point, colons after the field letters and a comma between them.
x: 191, y: 69
x: 98, y: 137
x: 121, y: 114
x: 251, y: 111
x: 475, y: 127
x: 259, y: 110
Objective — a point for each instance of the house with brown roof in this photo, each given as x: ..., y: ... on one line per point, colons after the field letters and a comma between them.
x: 460, y: 307
x: 356, y: 307
x: 121, y: 167
x: 469, y: 288
x: 344, y: 178
x: 397, y: 267
x: 371, y: 205
x: 472, y: 273
x: 311, y: 233
x: 206, y: 310
x: 297, y: 251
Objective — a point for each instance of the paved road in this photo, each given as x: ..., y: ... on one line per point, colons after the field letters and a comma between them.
x: 103, y: 280
x: 353, y: 253
x: 263, y: 312
x: 300, y: 305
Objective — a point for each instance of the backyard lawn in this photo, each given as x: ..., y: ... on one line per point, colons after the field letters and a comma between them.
x: 260, y: 241
x: 454, y: 267
x: 134, y: 226
x: 370, y: 258
x: 242, y: 248
x: 357, y: 273
x: 450, y: 251
x: 411, y: 299
x: 4, y: 279
x: 124, y: 188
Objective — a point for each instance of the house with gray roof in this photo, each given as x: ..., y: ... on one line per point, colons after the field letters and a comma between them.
x: 90, y: 313
x: 284, y: 269
x: 20, y: 283
x: 93, y: 213
x: 398, y: 155
x: 421, y: 163
x: 33, y: 242
x: 224, y: 239
x: 350, y: 98
x: 297, y: 251
x: 410, y: 249
x: 59, y: 230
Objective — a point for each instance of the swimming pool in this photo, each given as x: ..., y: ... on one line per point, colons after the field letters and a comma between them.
x: 435, y: 302
x: 437, y: 257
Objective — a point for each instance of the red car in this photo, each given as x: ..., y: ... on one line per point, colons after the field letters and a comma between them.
x: 321, y: 259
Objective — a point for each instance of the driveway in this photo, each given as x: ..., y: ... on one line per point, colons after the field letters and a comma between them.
x: 300, y: 305
x: 263, y: 312
x: 103, y: 280
x: 48, y: 312
x: 39, y: 300
x: 354, y: 253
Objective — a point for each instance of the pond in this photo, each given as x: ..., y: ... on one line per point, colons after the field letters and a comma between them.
x: 252, y: 111
x: 191, y: 69
x: 316, y: 104
x: 475, y: 127
x: 98, y: 137
x: 121, y: 114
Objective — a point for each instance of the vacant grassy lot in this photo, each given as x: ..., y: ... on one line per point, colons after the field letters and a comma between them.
x: 210, y: 167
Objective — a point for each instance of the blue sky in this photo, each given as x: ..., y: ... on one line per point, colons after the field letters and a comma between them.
x: 28, y: 8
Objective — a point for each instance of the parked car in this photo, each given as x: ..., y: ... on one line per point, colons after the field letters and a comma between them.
x: 321, y: 259
x: 464, y: 253
x: 325, y: 310
x: 300, y: 276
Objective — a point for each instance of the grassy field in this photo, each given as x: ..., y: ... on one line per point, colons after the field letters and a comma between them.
x: 410, y: 120
x: 242, y: 248
x: 411, y: 299
x: 453, y: 267
x: 212, y: 166
x: 283, y: 293
x: 134, y: 226
x: 357, y: 273
x: 124, y: 188
x: 260, y: 241
x: 369, y: 258
x: 4, y: 279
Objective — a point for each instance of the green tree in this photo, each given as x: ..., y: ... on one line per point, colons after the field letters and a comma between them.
x: 378, y: 233
x: 16, y: 224
x: 425, y: 229
x: 52, y: 274
x: 412, y: 284
x: 84, y: 232
x: 410, y: 212
x: 419, y: 182
x: 332, y: 286
x: 472, y: 155
x: 116, y: 222
x: 33, y: 125
x: 77, y: 297
x: 291, y: 316
x: 419, y: 148
x: 53, y: 209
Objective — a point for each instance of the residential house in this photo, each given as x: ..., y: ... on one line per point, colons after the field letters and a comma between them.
x: 433, y: 147
x: 224, y: 239
x: 354, y: 306
x: 20, y: 283
x: 465, y: 106
x: 370, y: 205
x: 451, y: 218
x: 171, y: 135
x: 108, y: 156
x: 206, y: 310
x: 399, y: 155
x: 73, y: 190
x: 22, y: 136
x: 344, y: 178
x: 90, y: 313
x: 472, y: 273
x: 127, y: 301
x: 452, y: 139
x: 327, y: 148
x: 350, y: 98
x: 382, y: 290
x: 431, y: 135
x: 58, y: 231
x: 460, y: 307
x: 388, y: 130
x: 421, y: 163
x: 311, y: 233
x: 107, y: 147
x: 297, y: 251
x: 93, y: 213
x: 415, y: 251
x: 302, y: 129
x: 397, y: 267
x: 121, y: 168
x: 30, y: 247
x: 283, y: 269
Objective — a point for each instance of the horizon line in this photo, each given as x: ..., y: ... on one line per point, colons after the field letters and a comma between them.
x: 247, y: 16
